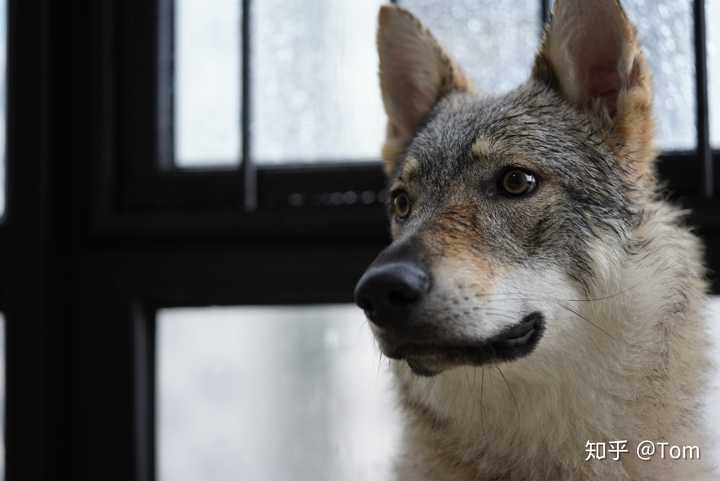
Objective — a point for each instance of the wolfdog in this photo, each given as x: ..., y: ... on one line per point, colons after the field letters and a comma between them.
x: 540, y: 299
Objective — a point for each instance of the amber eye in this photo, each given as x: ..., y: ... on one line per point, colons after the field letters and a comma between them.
x: 517, y: 182
x: 401, y: 204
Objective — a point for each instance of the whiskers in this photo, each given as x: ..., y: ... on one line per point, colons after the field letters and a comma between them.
x: 563, y: 303
x: 512, y: 394
x: 380, y: 358
x: 593, y: 324
x: 482, y: 399
x: 519, y: 296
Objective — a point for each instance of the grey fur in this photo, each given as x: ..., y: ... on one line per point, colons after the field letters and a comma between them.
x: 596, y: 249
x: 567, y: 145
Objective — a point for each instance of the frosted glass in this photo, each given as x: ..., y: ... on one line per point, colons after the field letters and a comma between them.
x: 494, y: 41
x: 713, y: 32
x: 274, y: 393
x: 666, y: 32
x: 207, y: 82
x: 315, y: 85
x: 315, y: 94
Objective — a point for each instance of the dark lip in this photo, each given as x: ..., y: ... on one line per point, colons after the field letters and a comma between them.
x: 427, y: 358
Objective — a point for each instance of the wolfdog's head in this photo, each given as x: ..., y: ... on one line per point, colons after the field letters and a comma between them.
x: 503, y: 206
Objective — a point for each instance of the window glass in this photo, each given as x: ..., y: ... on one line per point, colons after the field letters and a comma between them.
x: 314, y: 79
x: 665, y: 28
x: 315, y: 94
x: 207, y: 83
x: 494, y: 41
x: 272, y: 393
x: 713, y: 33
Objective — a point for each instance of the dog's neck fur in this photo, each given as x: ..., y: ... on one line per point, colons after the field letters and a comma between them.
x: 627, y: 381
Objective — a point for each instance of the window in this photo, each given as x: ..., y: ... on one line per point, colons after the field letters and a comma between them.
x: 298, y: 97
x: 313, y: 82
x: 207, y: 83
x: 225, y: 184
x: 494, y: 41
x: 282, y: 393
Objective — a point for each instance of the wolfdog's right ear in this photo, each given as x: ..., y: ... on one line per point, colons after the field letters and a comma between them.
x: 415, y: 73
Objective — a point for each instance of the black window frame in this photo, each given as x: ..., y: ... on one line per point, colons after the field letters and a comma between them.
x: 97, y: 238
x: 139, y: 194
x: 139, y: 191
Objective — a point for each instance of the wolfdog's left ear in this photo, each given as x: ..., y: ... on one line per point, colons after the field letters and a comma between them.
x: 591, y: 55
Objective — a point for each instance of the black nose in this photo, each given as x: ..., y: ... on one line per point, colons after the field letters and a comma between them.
x: 388, y: 291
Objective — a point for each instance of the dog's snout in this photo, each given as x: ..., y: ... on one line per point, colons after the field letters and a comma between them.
x: 387, y: 292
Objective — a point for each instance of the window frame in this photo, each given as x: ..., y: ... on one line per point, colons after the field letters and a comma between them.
x: 35, y: 385
x: 140, y: 195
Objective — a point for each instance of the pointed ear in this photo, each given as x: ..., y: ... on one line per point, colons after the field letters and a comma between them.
x: 592, y: 50
x: 415, y: 73
x: 591, y: 55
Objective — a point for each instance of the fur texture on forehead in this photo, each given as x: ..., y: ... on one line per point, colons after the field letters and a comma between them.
x: 531, y: 124
x: 533, y: 128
